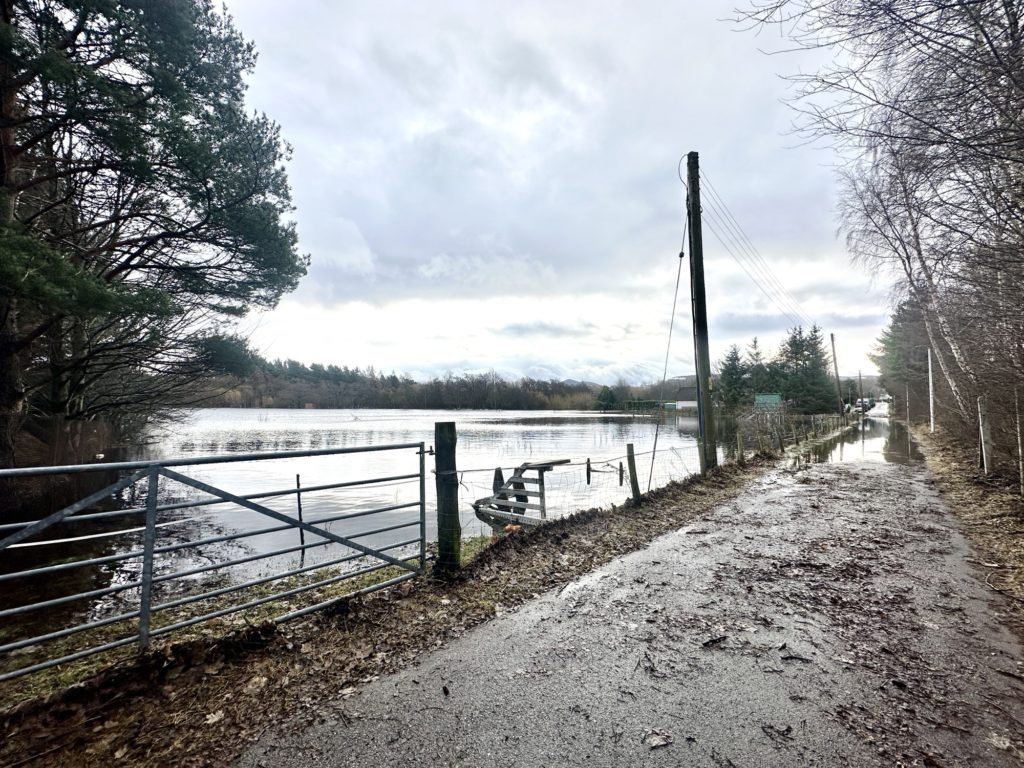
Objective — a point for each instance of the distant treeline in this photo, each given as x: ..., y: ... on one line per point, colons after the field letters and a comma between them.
x: 262, y: 383
x: 291, y: 384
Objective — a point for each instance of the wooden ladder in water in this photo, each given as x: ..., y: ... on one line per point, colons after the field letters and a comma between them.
x: 512, y: 501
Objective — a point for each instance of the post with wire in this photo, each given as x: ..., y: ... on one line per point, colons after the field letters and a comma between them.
x: 702, y: 355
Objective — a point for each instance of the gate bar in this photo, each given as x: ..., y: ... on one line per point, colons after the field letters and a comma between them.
x: 227, y: 459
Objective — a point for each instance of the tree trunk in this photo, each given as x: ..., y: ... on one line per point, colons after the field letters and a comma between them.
x: 933, y: 338
x: 12, y: 390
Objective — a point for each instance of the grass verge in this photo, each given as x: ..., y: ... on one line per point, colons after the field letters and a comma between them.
x: 992, y: 511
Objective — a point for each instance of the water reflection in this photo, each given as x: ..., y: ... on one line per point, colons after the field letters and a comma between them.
x: 486, y: 439
x: 875, y: 438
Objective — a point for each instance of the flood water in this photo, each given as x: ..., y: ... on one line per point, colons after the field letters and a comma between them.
x: 873, y: 438
x: 486, y: 440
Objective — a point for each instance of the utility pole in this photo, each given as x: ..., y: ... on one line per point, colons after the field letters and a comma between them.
x: 702, y: 355
x: 839, y: 389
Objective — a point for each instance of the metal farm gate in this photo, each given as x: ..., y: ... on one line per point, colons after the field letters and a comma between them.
x: 62, y: 599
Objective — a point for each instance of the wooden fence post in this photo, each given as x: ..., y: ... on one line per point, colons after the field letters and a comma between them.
x: 984, y: 436
x: 449, y: 529
x: 741, y: 459
x: 634, y: 483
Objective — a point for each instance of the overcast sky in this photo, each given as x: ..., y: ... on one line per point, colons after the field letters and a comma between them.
x: 494, y: 185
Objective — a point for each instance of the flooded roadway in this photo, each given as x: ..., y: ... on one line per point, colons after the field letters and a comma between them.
x: 872, y: 438
x: 828, y: 615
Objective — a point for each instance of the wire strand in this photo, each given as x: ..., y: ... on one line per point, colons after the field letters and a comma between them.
x: 668, y: 349
x: 782, y: 298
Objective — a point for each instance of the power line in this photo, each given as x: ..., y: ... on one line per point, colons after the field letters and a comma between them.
x: 668, y: 347
x: 757, y: 260
x: 773, y: 287
x: 763, y: 277
x: 753, y: 279
x: 751, y: 250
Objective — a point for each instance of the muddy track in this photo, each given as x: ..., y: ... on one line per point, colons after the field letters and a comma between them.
x: 829, y: 615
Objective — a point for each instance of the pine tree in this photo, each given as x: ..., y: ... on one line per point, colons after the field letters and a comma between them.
x: 733, y: 385
x: 803, y: 364
x: 757, y: 369
x: 142, y: 205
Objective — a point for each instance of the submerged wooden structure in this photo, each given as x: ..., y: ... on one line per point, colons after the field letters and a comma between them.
x: 518, y: 500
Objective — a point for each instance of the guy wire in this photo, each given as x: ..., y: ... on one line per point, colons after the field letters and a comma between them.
x: 668, y: 348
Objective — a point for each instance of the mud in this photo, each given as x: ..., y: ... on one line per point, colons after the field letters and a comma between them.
x: 990, y: 508
x: 828, y: 615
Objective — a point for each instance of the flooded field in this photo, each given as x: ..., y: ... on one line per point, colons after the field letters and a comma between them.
x: 193, y: 541
x: 486, y: 440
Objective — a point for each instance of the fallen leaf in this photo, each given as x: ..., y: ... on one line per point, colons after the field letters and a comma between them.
x: 255, y: 685
x: 657, y: 737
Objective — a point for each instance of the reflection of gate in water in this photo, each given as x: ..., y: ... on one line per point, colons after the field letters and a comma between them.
x: 143, y: 574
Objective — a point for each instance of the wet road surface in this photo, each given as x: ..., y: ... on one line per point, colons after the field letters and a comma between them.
x: 829, y: 615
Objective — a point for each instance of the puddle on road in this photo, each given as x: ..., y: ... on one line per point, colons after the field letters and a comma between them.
x: 875, y: 438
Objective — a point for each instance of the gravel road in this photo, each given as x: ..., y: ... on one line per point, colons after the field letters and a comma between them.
x: 830, y: 615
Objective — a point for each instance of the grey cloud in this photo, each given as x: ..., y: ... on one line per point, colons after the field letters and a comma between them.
x: 758, y: 324
x: 855, y: 320
x: 487, y: 151
x: 731, y: 323
x: 594, y: 190
x: 550, y: 330
x: 836, y: 289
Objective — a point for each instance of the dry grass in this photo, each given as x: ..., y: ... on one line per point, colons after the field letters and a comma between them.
x: 992, y: 510
x: 49, y: 681
x: 202, y: 702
